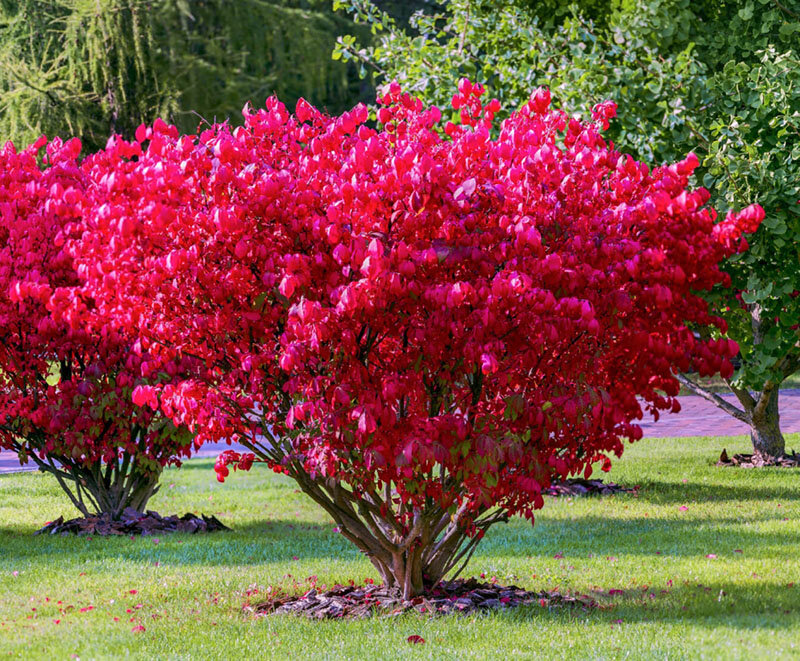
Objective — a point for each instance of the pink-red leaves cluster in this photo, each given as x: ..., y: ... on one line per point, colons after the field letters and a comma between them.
x: 65, y: 381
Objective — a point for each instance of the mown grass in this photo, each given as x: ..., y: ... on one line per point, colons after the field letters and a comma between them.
x: 677, y: 600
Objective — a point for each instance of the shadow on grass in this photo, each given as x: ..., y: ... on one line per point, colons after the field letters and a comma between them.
x: 283, y: 540
x: 707, y: 605
x: 247, y: 544
x: 762, y: 605
x: 645, y: 536
x: 658, y: 492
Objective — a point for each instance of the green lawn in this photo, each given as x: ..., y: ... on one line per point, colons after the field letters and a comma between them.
x: 711, y: 581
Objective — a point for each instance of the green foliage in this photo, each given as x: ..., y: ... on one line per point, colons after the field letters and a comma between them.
x: 753, y: 153
x: 716, y: 77
x: 92, y: 67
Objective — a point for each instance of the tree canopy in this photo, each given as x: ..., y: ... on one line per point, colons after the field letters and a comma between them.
x: 721, y: 79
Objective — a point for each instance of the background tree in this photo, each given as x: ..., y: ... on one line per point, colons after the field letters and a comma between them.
x: 718, y: 78
x: 95, y: 67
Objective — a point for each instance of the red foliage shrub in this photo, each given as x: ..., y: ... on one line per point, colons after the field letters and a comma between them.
x: 65, y: 390
x: 421, y: 329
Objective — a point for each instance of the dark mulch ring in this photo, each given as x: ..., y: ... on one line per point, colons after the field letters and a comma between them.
x: 459, y: 596
x: 757, y: 461
x: 133, y: 523
x: 576, y: 486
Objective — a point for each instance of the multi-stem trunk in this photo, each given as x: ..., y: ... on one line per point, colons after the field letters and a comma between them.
x: 412, y: 548
x: 102, y: 488
x: 411, y: 557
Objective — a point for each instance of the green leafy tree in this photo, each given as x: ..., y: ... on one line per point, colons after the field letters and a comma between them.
x: 720, y: 78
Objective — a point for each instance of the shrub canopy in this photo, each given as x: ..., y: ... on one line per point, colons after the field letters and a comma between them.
x: 65, y: 383
x: 421, y: 324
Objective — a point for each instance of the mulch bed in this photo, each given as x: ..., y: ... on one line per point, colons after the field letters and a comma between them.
x: 577, y: 486
x: 459, y: 596
x: 133, y: 523
x: 757, y: 461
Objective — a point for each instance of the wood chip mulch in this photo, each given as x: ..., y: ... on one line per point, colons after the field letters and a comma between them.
x: 576, y: 486
x: 459, y: 596
x: 133, y: 523
x: 757, y: 461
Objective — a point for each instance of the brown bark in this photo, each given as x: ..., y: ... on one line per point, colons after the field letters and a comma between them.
x: 412, y: 549
x: 759, y: 410
x: 93, y: 490
x: 768, y: 441
x: 412, y: 558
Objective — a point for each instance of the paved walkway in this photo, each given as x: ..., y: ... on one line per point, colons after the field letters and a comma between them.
x: 697, y: 418
x: 9, y: 463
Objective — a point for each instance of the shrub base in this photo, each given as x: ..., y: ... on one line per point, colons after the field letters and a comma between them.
x: 133, y: 523
x: 757, y: 461
x: 458, y: 596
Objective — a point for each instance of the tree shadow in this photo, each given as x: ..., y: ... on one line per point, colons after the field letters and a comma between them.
x: 708, y: 605
x: 664, y: 492
x: 252, y: 543
x: 641, y: 536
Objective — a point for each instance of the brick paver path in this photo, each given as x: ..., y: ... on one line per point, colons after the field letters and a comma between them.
x: 10, y: 464
x: 697, y: 418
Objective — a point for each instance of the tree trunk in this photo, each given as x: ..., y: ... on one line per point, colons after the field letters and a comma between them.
x: 759, y: 410
x: 768, y: 441
x: 412, y: 548
x: 101, y: 489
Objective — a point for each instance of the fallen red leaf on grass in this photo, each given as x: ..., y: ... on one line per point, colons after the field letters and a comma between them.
x: 416, y: 640
x: 138, y: 629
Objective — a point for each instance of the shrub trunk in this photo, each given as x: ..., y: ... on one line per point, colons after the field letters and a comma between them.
x: 412, y: 548
x: 102, y: 488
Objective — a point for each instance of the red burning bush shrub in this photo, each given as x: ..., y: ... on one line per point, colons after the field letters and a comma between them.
x: 65, y: 390
x: 423, y: 330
